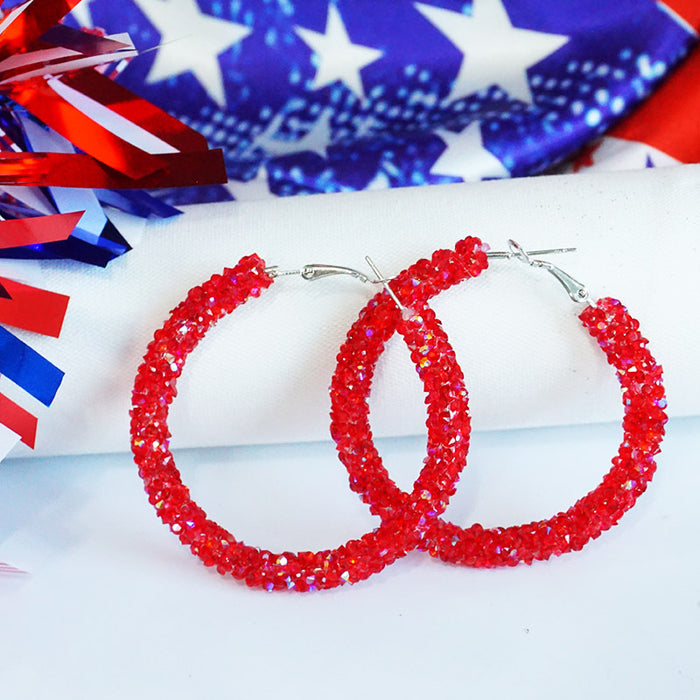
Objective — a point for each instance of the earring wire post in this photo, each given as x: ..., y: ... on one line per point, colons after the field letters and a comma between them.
x: 317, y: 271
x: 510, y: 254
x: 575, y: 289
x: 384, y: 282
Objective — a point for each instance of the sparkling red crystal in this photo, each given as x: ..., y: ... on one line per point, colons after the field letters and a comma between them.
x: 402, y: 525
x: 633, y: 467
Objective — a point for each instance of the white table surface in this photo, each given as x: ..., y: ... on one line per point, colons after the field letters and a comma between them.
x: 115, y: 607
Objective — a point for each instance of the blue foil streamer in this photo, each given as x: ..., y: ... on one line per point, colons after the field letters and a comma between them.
x: 28, y: 369
x: 137, y: 203
x: 111, y: 244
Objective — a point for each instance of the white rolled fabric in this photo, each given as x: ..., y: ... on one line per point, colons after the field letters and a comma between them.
x: 261, y: 376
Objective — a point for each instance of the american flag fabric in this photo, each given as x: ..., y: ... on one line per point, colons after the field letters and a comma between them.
x: 329, y: 96
x: 665, y: 130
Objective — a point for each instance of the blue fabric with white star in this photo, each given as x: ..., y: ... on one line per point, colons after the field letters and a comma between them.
x: 317, y: 96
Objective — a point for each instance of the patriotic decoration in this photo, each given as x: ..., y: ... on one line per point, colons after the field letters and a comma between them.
x: 340, y: 95
x: 306, y: 97
x: 73, y: 145
x: 72, y: 142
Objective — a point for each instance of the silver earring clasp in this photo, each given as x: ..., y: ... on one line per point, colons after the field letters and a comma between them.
x: 318, y: 271
x: 576, y: 290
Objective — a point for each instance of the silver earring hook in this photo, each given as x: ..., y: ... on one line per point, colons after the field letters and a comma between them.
x: 517, y: 251
x: 576, y: 290
x: 316, y: 272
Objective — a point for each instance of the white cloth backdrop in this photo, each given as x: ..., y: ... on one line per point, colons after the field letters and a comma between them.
x: 262, y: 375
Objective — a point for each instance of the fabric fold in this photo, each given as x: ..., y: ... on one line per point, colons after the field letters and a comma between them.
x: 261, y: 376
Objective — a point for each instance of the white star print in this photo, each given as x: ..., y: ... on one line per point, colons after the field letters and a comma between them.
x: 203, y: 39
x: 316, y: 140
x: 257, y: 188
x: 466, y: 157
x: 338, y: 58
x: 379, y: 182
x: 495, y: 52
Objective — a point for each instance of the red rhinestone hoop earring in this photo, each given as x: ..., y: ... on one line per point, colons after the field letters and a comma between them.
x: 448, y: 434
x: 643, y: 399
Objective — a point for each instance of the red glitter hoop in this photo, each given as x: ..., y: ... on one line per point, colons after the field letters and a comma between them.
x: 154, y: 390
x: 643, y: 397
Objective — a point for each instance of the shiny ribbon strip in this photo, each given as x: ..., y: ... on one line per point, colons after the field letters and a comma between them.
x: 27, y: 22
x: 77, y: 41
x: 18, y: 420
x: 36, y: 230
x: 47, y: 207
x: 137, y: 110
x: 28, y: 369
x: 32, y: 309
x: 57, y: 74
x: 71, y: 170
x: 47, y: 59
x: 94, y: 139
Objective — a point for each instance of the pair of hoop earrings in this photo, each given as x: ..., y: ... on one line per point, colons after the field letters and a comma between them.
x: 409, y: 520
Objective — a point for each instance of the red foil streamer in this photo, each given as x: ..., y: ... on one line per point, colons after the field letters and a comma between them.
x: 31, y: 23
x: 142, y: 144
x: 134, y: 108
x: 89, y: 136
x: 73, y: 169
x: 33, y: 309
x: 39, y: 229
x: 18, y: 420
x: 53, y: 72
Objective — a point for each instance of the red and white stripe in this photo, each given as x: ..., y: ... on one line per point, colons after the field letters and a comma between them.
x: 664, y: 130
